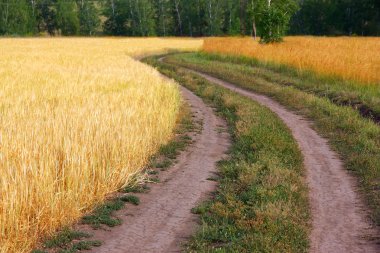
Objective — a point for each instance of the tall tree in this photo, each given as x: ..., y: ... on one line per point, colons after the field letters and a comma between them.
x: 16, y: 17
x: 164, y: 18
x: 144, y: 14
x: 178, y: 10
x: 332, y: 17
x: 193, y: 17
x: 67, y: 17
x: 112, y: 24
x: 243, y: 16
x: 45, y: 13
x: 255, y: 9
x: 265, y: 18
x: 214, y: 16
x: 275, y: 19
x: 89, y: 18
x: 130, y: 17
x: 231, y: 18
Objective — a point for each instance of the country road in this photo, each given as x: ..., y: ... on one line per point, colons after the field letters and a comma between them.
x: 339, y: 222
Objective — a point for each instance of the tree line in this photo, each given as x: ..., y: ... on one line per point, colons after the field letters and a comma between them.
x: 337, y: 17
x: 145, y: 17
x: 268, y: 19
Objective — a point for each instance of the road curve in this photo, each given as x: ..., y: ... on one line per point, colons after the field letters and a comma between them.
x: 163, y: 219
x: 339, y: 223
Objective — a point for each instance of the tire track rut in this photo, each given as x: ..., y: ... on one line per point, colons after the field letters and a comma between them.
x: 163, y: 219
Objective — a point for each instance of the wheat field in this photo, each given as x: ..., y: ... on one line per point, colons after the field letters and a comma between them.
x: 78, y: 118
x: 350, y: 58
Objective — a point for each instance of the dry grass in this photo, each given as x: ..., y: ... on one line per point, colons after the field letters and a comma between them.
x: 78, y: 117
x: 355, y: 59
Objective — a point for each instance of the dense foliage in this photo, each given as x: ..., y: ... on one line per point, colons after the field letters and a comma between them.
x: 144, y: 17
x: 268, y: 19
x: 338, y: 17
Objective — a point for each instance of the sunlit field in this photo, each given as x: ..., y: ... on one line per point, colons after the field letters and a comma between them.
x: 78, y: 117
x: 355, y: 59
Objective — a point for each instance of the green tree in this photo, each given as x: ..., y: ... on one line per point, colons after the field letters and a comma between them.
x: 89, y: 18
x: 164, y: 19
x: 214, y: 16
x: 44, y: 13
x: 255, y: 12
x: 113, y: 12
x: 143, y: 18
x: 130, y: 17
x: 16, y: 17
x: 343, y: 17
x: 275, y: 19
x: 67, y: 17
x: 193, y: 17
x: 231, y: 18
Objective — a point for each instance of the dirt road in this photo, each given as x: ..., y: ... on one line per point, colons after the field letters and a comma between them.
x: 338, y: 221
x: 163, y: 219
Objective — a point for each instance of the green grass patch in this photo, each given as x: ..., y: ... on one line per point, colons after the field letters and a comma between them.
x: 62, y: 241
x: 166, y: 163
x: 173, y: 149
x: 131, y: 199
x: 139, y: 188
x: 83, y: 245
x: 154, y: 180
x: 64, y: 237
x: 103, y: 214
x: 261, y: 204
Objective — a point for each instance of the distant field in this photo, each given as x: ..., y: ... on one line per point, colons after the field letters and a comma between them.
x: 78, y: 117
x: 355, y: 59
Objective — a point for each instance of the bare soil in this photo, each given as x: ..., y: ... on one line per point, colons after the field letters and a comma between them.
x: 339, y: 219
x: 164, y: 220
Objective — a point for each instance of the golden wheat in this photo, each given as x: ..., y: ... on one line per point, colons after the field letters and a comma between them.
x: 349, y: 58
x: 78, y: 117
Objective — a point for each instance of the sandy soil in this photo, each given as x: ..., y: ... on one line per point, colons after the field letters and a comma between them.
x: 164, y: 220
x: 339, y: 221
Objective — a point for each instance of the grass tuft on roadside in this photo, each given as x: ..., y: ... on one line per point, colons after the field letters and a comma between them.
x: 64, y: 237
x: 131, y: 199
x: 103, y: 214
x: 69, y: 241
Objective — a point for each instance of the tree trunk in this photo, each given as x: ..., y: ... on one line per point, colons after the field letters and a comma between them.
x: 33, y: 3
x: 269, y: 4
x: 210, y: 16
x: 132, y: 16
x: 254, y: 29
x: 163, y: 16
x: 6, y: 17
x: 243, y: 6
x: 113, y: 7
x: 140, y: 17
x: 199, y: 19
x: 176, y: 2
